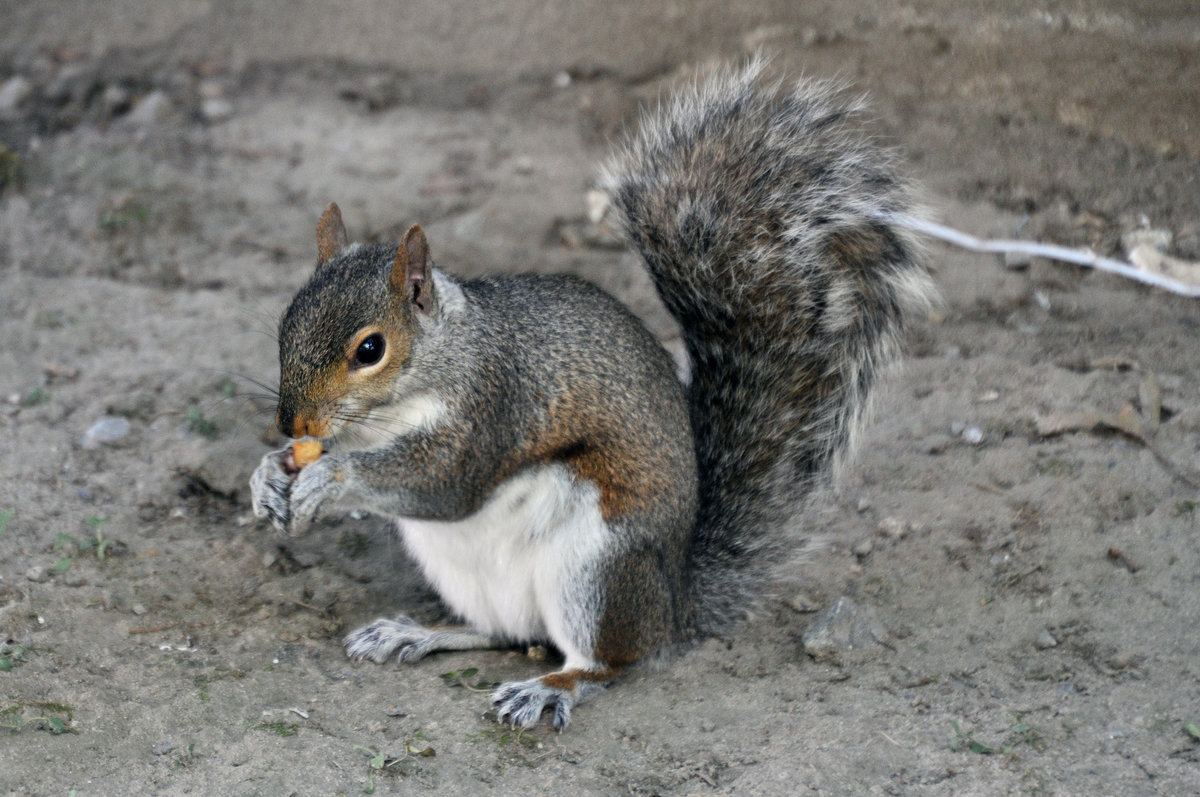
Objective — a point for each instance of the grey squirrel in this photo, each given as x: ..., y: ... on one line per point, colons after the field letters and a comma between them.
x: 547, y: 470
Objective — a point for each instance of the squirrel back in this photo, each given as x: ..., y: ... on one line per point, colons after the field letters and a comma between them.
x: 762, y: 215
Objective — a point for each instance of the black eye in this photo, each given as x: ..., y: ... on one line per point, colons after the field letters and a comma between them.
x: 370, y: 351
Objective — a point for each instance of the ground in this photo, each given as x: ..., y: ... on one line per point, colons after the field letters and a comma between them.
x: 1015, y: 582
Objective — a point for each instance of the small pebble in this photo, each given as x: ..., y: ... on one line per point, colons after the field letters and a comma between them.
x: 152, y: 108
x: 863, y: 549
x: 957, y: 428
x: 1016, y: 261
x: 162, y: 749
x: 1045, y: 640
x: 597, y: 205
x: 37, y: 574
x: 107, y: 431
x: 216, y: 109
x: 115, y: 98
x: 893, y: 527
x: 138, y: 609
x: 973, y: 435
x: 13, y: 93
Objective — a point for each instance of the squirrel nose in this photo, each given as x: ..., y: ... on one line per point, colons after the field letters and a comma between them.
x: 287, y: 420
x: 293, y: 425
x: 284, y: 421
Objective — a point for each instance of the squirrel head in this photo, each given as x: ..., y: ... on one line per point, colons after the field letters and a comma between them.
x: 349, y: 332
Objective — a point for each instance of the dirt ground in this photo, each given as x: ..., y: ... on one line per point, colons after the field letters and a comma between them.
x: 1018, y: 585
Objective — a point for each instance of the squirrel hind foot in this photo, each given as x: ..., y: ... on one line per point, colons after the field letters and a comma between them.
x: 521, y: 703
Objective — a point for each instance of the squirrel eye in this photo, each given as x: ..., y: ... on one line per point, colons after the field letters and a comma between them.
x: 370, y: 351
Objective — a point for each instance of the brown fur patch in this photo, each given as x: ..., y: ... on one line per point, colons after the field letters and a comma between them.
x: 567, y: 679
x: 637, y: 608
x: 609, y: 444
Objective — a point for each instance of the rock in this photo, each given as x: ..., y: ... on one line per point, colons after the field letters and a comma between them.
x: 892, y: 527
x: 37, y: 574
x: 116, y: 99
x: 152, y: 108
x: 13, y: 94
x: 973, y: 435
x: 843, y: 628
x: 524, y: 165
x: 597, y: 205
x: 1045, y: 640
x: 1017, y: 261
x: 216, y: 109
x: 107, y: 431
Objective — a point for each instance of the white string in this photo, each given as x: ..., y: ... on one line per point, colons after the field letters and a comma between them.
x: 1082, y: 257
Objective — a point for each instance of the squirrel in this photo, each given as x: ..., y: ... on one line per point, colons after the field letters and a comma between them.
x: 547, y: 470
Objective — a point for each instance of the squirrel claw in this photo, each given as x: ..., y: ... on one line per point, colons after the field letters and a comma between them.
x: 270, y: 487
x: 379, y: 640
x: 316, y: 488
x: 520, y: 704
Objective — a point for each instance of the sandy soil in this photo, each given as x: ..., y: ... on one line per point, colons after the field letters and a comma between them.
x: 1018, y: 610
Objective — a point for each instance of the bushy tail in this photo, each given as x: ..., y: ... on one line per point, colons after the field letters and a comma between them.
x: 763, y: 215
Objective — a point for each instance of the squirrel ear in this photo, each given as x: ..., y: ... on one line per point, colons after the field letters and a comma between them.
x: 331, y: 234
x: 412, y: 273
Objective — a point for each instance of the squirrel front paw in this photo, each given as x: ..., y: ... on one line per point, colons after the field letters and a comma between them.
x: 316, y: 489
x: 270, y: 488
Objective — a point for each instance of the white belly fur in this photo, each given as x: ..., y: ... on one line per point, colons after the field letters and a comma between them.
x: 516, y: 568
